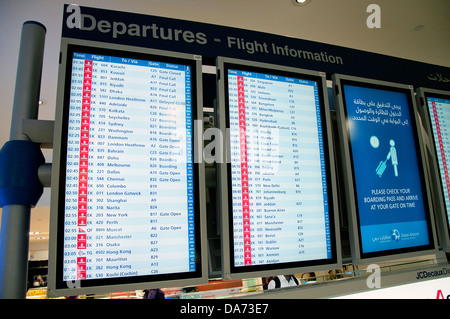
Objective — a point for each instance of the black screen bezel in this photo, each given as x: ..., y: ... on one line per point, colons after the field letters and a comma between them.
x: 159, y: 57
x: 327, y: 153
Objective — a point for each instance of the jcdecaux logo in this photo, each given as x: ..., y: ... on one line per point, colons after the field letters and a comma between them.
x: 431, y: 274
x: 440, y: 293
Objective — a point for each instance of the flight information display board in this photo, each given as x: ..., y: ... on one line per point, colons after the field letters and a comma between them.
x: 279, y: 214
x: 129, y: 205
x: 385, y: 173
x: 436, y: 113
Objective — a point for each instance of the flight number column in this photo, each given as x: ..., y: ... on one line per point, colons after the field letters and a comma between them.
x: 83, y: 169
x: 244, y: 171
x: 235, y: 133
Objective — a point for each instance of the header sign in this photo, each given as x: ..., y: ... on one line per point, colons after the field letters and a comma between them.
x: 211, y: 41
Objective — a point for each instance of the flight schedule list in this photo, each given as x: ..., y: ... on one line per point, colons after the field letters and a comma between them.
x: 129, y: 196
x: 439, y: 111
x: 280, y: 209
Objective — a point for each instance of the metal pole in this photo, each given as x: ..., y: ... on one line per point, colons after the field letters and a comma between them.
x: 28, y: 79
x: 15, y: 227
x: 14, y: 244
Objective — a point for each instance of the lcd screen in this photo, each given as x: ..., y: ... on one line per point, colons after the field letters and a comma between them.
x: 392, y: 204
x: 280, y: 205
x: 130, y: 204
x: 437, y: 106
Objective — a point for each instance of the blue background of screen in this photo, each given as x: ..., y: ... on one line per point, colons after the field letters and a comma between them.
x: 378, y: 227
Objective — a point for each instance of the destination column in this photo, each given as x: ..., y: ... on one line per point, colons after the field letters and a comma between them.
x: 119, y: 141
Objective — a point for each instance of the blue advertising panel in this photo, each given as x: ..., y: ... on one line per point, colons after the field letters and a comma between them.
x: 390, y: 194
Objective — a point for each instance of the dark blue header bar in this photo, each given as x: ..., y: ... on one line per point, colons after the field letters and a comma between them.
x: 211, y: 41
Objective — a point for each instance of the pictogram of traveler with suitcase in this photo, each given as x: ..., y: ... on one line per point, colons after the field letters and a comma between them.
x: 392, y: 155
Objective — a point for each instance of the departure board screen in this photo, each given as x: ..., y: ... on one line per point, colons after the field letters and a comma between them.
x: 280, y: 203
x: 390, y: 190
x: 131, y: 194
x: 438, y: 107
